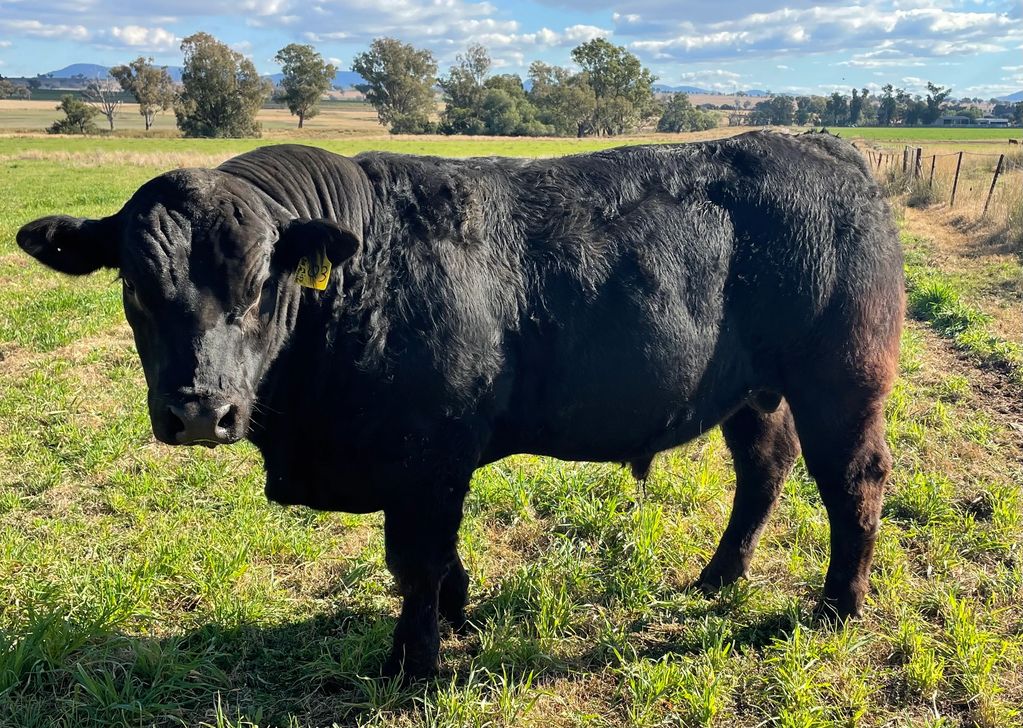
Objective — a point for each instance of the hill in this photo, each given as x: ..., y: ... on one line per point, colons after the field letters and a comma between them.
x: 89, y: 70
x: 1018, y: 96
x: 662, y: 89
x: 344, y: 79
x: 347, y: 79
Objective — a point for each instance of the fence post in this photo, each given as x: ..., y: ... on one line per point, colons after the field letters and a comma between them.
x: 930, y: 180
x: 990, y: 192
x: 955, y: 182
x: 916, y: 164
x: 905, y: 159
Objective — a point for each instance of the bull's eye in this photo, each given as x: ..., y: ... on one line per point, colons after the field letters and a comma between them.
x: 128, y: 285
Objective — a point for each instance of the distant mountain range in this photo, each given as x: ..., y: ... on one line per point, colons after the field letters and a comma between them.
x: 662, y: 89
x: 347, y: 79
x: 343, y: 79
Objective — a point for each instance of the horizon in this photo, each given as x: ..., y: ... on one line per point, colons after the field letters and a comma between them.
x: 796, y: 48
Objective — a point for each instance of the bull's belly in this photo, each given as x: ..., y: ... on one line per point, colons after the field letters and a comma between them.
x: 611, y: 429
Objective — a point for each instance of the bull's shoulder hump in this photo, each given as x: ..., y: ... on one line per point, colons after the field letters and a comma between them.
x: 276, y: 153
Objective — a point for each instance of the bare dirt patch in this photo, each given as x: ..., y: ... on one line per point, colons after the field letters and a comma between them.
x: 990, y: 392
x: 974, y: 252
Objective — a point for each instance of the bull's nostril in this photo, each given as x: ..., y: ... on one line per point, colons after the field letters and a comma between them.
x: 175, y: 421
x: 228, y: 417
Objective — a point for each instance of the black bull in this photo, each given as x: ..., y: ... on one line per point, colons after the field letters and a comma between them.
x: 601, y: 307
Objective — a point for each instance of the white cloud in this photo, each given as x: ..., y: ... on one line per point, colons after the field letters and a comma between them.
x: 37, y: 29
x: 584, y: 33
x: 924, y: 31
x: 137, y: 36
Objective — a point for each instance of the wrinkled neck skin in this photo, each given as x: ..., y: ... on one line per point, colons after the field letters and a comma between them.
x: 309, y: 320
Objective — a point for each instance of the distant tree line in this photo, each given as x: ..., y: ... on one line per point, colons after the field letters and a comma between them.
x: 609, y: 92
x: 219, y: 96
x: 892, y: 107
x: 11, y: 90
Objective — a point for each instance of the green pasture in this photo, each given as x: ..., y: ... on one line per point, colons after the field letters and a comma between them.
x: 145, y: 585
x: 91, y: 149
x: 928, y: 134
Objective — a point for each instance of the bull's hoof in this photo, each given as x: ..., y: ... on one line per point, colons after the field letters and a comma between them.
x: 715, y: 577
x: 406, y: 667
x: 459, y: 623
x: 830, y: 610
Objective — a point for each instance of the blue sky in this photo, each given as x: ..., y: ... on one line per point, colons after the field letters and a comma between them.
x: 797, y: 46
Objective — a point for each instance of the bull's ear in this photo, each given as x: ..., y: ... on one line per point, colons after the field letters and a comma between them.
x: 303, y: 237
x: 71, y: 245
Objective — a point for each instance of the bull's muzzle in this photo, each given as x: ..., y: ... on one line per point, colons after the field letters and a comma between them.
x: 195, y: 422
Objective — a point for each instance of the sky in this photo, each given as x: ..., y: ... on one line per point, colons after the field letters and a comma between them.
x: 785, y: 46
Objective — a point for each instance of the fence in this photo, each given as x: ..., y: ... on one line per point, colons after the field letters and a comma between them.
x: 975, y: 184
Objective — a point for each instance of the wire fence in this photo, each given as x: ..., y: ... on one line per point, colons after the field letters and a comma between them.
x: 977, y: 185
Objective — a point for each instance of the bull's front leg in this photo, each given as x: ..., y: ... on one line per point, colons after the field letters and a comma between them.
x: 421, y: 536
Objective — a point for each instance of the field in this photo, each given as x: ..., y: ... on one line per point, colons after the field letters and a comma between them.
x: 910, y: 135
x: 337, y: 117
x: 145, y: 585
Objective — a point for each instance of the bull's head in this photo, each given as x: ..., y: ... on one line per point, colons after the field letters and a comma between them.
x: 207, y: 266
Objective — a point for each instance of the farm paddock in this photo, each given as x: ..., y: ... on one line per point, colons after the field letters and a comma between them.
x: 143, y: 585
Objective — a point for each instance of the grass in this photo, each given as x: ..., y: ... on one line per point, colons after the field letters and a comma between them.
x: 927, y: 134
x: 339, y: 118
x: 938, y: 297
x: 144, y: 585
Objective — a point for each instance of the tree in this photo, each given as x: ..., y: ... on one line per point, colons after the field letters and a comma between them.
x: 306, y: 79
x: 856, y: 104
x: 809, y: 110
x: 680, y: 115
x: 103, y: 98
x: 836, y: 110
x: 936, y: 96
x: 783, y: 110
x: 506, y: 110
x: 910, y: 108
x: 564, y: 100
x: 151, y: 87
x: 399, y: 84
x: 11, y: 90
x: 464, y: 90
x: 622, y: 86
x: 1008, y: 110
x: 77, y: 117
x: 887, y: 109
x: 222, y: 92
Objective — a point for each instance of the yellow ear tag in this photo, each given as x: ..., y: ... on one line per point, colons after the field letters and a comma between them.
x: 314, y: 271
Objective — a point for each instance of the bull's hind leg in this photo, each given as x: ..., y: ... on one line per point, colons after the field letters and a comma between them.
x: 764, y: 446
x: 454, y: 593
x: 841, y: 427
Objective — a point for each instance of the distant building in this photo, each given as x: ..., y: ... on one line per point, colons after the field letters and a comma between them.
x: 962, y: 120
x: 953, y: 120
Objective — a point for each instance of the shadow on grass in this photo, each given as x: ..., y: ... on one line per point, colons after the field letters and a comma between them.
x: 316, y: 671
